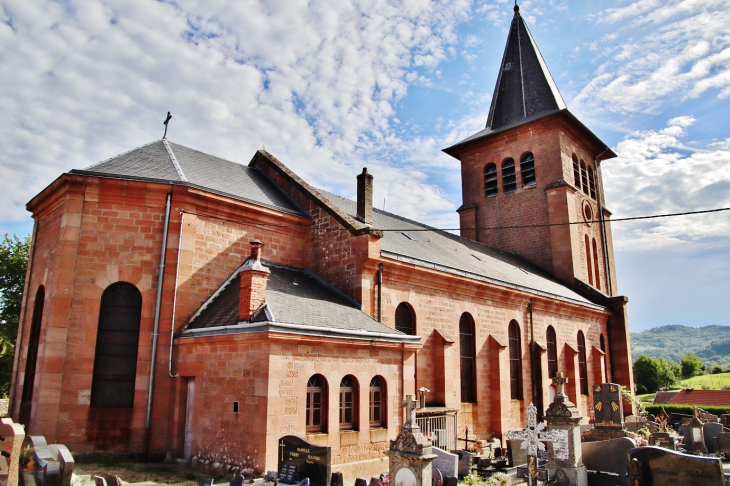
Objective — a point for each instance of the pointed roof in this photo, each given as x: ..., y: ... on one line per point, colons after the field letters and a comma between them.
x: 525, y: 90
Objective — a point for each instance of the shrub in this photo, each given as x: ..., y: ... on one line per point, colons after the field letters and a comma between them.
x: 654, y: 409
x: 716, y: 369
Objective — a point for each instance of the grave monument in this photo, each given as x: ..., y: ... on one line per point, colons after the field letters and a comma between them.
x: 658, y: 466
x: 608, y: 412
x: 410, y: 454
x: 533, y: 439
x: 565, y: 459
x: 299, y: 459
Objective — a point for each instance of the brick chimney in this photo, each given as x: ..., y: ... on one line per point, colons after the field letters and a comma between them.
x: 253, y: 283
x: 365, y: 197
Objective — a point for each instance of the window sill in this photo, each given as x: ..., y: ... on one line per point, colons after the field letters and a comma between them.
x: 378, y: 435
x: 349, y: 437
x: 318, y: 438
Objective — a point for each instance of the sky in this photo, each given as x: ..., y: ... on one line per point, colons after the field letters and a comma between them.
x: 329, y: 87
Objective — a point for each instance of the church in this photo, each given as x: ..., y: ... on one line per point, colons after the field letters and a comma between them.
x: 178, y: 302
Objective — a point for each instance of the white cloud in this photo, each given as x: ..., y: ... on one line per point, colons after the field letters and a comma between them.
x: 656, y: 173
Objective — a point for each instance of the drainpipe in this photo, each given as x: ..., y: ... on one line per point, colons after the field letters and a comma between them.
x: 174, y: 298
x: 155, y: 332
x: 604, y: 240
x: 380, y: 292
x: 532, y: 355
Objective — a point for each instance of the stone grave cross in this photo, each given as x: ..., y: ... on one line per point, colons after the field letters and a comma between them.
x: 410, y: 405
x: 560, y: 380
x: 533, y: 439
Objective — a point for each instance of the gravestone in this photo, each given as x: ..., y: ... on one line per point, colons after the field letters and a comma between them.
x: 446, y: 463
x: 608, y: 413
x: 725, y: 420
x: 711, y: 430
x: 663, y: 439
x: 38, y: 465
x: 515, y: 453
x: 337, y: 479
x: 694, y: 440
x: 608, y: 456
x: 11, y: 441
x: 723, y: 443
x: 534, y: 438
x: 299, y: 459
x: 465, y: 461
x: 657, y: 466
x: 566, y: 460
x: 206, y: 482
x: 438, y: 479
x: 360, y: 482
x: 410, y: 455
x: 65, y: 461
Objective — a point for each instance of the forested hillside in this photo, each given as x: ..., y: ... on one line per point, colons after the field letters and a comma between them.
x: 711, y: 343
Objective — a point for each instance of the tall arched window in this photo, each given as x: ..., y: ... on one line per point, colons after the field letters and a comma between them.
x: 405, y: 321
x: 490, y: 180
x: 377, y: 402
x: 115, y: 361
x: 603, y: 358
x: 582, y: 363
x: 552, y: 352
x: 468, y: 358
x: 515, y: 361
x: 576, y: 172
x: 591, y: 182
x: 584, y: 176
x: 348, y: 403
x: 316, y: 404
x: 527, y: 169
x: 595, y: 265
x: 588, y: 261
x: 509, y: 179
x: 33, y: 342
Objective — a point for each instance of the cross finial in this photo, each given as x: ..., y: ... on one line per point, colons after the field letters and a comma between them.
x: 167, y: 120
x: 410, y: 405
x: 517, y: 7
x: 560, y: 380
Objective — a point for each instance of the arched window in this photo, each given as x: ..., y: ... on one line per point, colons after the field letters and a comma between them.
x: 33, y: 342
x: 576, y: 172
x: 468, y: 358
x: 405, y: 322
x: 582, y: 363
x: 588, y: 261
x: 490, y: 180
x: 317, y: 404
x: 115, y: 361
x: 527, y: 168
x: 584, y: 176
x: 591, y: 182
x: 348, y: 403
x: 509, y: 179
x: 552, y: 352
x: 595, y: 264
x: 515, y: 361
x: 603, y: 358
x: 377, y: 402
x: 603, y: 343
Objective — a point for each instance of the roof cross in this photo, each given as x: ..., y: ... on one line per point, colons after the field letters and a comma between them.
x: 535, y: 434
x: 167, y: 120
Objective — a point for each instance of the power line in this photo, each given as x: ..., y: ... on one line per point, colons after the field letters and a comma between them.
x: 524, y: 226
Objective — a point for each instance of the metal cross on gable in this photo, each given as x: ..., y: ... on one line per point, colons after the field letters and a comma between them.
x: 535, y: 435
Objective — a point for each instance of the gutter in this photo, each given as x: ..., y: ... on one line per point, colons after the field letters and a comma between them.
x: 604, y: 240
x: 174, y: 298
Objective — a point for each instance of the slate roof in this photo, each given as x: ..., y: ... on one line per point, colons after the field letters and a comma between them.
x: 702, y: 397
x: 297, y: 301
x: 425, y: 246
x: 168, y: 162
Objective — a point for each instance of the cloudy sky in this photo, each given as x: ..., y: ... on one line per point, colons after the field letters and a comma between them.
x: 331, y: 86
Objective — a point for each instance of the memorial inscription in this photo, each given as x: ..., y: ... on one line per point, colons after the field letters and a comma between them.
x: 299, y: 459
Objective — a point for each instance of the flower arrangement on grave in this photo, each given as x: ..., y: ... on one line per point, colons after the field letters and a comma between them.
x: 385, y: 479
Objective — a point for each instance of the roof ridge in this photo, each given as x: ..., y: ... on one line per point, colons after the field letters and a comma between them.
x: 175, y: 163
x: 122, y: 153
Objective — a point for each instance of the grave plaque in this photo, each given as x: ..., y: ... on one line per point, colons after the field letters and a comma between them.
x: 561, y: 445
x: 654, y: 465
x: 723, y: 443
x: 299, y: 459
x: 663, y: 439
x: 38, y: 466
x: 446, y: 463
x: 711, y: 430
x: 608, y: 406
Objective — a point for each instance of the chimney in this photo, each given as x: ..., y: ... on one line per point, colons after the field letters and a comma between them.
x: 253, y: 277
x: 365, y: 197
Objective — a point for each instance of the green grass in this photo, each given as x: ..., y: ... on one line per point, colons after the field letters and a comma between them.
x: 706, y: 382
x: 646, y: 398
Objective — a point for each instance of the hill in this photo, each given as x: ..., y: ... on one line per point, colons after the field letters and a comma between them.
x: 710, y: 343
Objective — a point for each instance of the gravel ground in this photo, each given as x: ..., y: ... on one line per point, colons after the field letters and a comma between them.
x: 138, y: 472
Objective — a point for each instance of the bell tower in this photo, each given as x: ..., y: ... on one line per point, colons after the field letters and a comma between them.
x: 531, y: 179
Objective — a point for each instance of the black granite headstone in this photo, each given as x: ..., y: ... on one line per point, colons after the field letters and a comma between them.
x: 449, y: 481
x: 337, y: 479
x: 608, y: 406
x: 360, y: 482
x: 299, y: 459
x: 37, y: 464
x: 237, y: 480
x: 658, y: 466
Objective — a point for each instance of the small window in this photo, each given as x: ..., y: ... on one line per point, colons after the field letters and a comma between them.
x: 591, y: 182
x: 595, y: 264
x: 588, y: 261
x: 468, y: 358
x: 377, y: 402
x: 552, y: 352
x: 509, y: 179
x: 576, y: 172
x: 582, y: 363
x: 490, y: 180
x: 527, y: 168
x: 316, y: 404
x: 584, y: 176
x: 404, y: 320
x: 515, y: 361
x: 348, y: 403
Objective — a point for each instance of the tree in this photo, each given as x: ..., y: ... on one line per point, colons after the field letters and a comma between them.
x: 13, y: 262
x: 692, y: 365
x: 651, y: 375
x: 716, y: 369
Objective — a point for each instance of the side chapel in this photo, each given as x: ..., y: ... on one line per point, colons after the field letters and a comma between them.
x: 176, y: 301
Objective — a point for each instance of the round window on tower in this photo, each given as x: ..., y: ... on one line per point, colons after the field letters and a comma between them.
x: 587, y: 213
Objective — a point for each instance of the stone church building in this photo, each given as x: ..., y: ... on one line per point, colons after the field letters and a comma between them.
x: 176, y: 301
